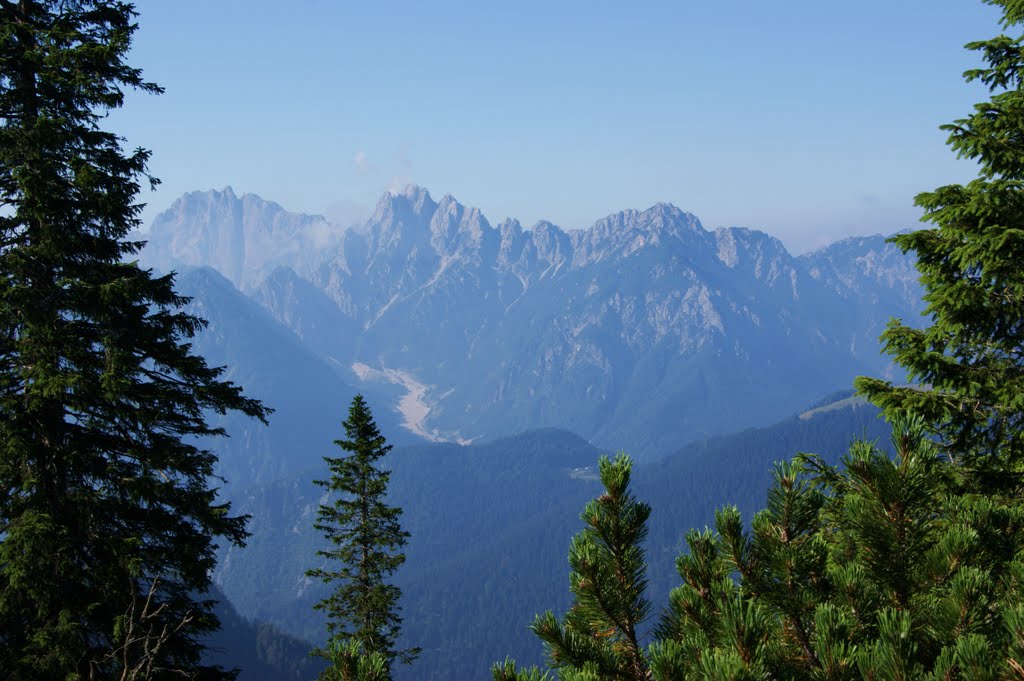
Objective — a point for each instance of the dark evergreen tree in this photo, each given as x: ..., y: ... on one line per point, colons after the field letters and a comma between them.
x: 905, y: 567
x: 107, y: 517
x: 969, y: 362
x: 366, y: 541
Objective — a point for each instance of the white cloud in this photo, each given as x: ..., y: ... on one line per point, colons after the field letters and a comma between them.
x: 399, y: 183
x: 405, y: 173
x: 361, y: 163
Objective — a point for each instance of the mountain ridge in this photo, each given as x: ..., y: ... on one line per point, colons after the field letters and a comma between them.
x: 645, y: 312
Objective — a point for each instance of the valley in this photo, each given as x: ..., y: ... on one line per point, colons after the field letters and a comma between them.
x: 412, y: 406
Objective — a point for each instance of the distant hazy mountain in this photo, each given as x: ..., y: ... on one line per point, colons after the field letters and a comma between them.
x: 642, y: 332
x: 309, y: 397
x: 242, y: 237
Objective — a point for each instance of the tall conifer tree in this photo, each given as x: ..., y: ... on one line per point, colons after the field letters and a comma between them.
x: 366, y: 539
x: 971, y: 357
x: 107, y: 517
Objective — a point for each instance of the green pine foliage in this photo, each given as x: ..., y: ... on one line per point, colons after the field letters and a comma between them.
x: 349, y: 662
x: 599, y: 637
x: 608, y: 581
x: 879, y: 568
x: 366, y: 537
x: 883, y: 567
x: 968, y: 362
x: 108, y: 522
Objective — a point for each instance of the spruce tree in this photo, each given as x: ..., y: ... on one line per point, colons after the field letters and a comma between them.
x: 107, y: 516
x: 969, y: 362
x: 366, y: 539
x: 905, y: 567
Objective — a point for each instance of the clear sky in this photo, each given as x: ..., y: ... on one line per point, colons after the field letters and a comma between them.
x: 808, y: 119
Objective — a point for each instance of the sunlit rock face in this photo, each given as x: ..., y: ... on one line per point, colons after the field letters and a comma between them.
x: 243, y: 237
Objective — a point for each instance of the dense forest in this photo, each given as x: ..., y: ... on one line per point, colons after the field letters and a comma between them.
x: 483, y: 564
x: 833, y: 545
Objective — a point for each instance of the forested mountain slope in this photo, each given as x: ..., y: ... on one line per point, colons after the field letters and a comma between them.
x: 491, y: 525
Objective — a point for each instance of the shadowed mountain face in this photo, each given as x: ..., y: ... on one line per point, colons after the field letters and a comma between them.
x: 309, y: 397
x: 642, y: 332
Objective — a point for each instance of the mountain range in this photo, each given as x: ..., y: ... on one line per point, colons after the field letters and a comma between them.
x: 643, y: 332
x: 521, y: 354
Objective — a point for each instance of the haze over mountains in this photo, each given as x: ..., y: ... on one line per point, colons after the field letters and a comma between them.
x: 643, y: 332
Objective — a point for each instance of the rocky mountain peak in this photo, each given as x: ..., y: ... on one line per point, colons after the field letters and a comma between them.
x: 626, y: 232
x: 416, y: 195
x: 668, y: 216
x: 764, y: 256
x: 413, y: 204
x: 455, y: 228
x: 410, y: 225
x: 510, y: 228
x: 551, y: 246
x: 514, y: 253
x: 849, y: 261
x: 400, y: 224
x: 242, y: 237
x: 500, y: 324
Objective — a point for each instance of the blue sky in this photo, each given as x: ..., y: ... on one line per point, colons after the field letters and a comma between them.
x: 808, y: 119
